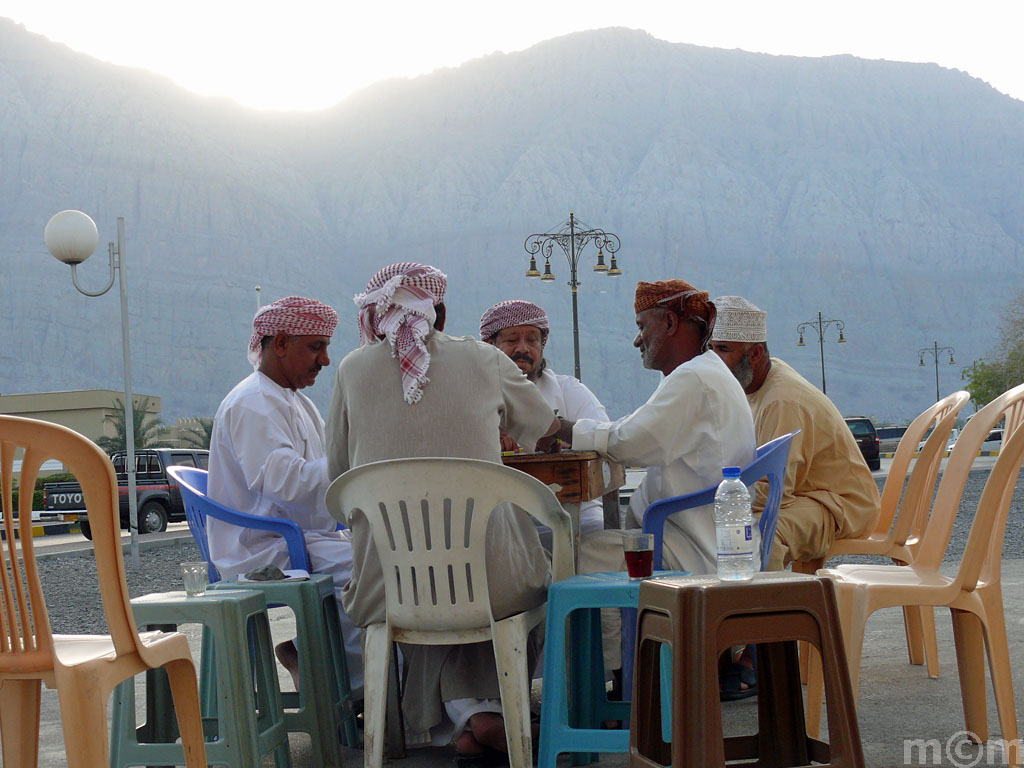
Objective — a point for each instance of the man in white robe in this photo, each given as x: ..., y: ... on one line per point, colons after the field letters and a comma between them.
x: 520, y: 330
x: 696, y: 422
x: 411, y: 390
x: 267, y: 457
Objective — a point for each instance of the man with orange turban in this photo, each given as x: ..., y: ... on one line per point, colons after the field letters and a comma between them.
x: 696, y: 422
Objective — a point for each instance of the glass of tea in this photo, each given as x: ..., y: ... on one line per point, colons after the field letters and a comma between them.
x: 639, y: 549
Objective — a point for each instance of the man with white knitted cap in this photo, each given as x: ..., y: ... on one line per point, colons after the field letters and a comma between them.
x: 520, y: 330
x: 267, y: 457
x: 411, y: 390
x: 829, y: 490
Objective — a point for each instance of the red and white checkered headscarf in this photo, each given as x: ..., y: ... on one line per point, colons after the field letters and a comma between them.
x: 294, y: 315
x: 507, y: 314
x: 398, y: 306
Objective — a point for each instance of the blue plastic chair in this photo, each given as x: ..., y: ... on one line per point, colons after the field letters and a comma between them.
x: 199, y: 506
x: 770, y: 462
x: 323, y: 700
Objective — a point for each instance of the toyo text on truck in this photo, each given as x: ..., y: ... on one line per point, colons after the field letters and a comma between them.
x: 159, y: 499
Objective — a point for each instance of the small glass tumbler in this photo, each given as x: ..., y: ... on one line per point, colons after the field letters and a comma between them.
x: 639, y: 548
x: 196, y: 577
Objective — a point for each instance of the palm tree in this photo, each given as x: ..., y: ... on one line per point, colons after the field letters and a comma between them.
x: 198, y: 434
x: 148, y: 430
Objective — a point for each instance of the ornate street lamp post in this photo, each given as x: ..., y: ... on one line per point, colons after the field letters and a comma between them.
x: 819, y: 326
x: 71, y: 237
x: 572, y: 238
x: 934, y: 351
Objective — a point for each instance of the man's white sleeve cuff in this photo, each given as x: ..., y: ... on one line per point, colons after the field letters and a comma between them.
x: 590, y: 435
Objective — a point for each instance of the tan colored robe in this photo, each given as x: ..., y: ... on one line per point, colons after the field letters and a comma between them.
x: 829, y: 491
x: 474, y: 391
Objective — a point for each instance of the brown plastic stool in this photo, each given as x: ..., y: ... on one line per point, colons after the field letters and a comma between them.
x: 698, y: 617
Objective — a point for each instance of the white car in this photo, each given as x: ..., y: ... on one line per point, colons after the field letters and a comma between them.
x: 993, y: 442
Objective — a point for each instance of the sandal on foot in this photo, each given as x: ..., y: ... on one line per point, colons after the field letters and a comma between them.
x: 731, y: 682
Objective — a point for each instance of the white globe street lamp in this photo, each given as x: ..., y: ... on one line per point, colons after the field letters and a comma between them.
x: 71, y: 237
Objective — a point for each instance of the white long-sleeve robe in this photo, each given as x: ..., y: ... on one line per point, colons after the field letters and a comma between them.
x: 267, y: 457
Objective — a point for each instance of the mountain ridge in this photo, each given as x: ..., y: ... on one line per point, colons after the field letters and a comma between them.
x: 885, y: 194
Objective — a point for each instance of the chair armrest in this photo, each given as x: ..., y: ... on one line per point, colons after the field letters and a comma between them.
x: 289, y: 530
x: 658, y: 512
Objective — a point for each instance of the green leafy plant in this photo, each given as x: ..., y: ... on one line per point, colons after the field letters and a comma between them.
x: 149, y: 430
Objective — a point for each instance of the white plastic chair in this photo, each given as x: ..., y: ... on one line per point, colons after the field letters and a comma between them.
x: 429, y: 521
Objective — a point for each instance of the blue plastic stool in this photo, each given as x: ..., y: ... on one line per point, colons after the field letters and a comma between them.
x: 247, y: 722
x: 574, y: 701
x: 323, y: 703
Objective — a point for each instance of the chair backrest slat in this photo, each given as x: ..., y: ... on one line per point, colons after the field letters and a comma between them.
x: 920, y: 488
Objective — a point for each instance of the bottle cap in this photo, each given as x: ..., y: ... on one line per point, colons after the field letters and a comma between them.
x: 730, y: 472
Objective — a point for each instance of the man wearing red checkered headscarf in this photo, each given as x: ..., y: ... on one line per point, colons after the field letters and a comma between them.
x: 267, y: 457
x: 520, y: 329
x: 412, y: 390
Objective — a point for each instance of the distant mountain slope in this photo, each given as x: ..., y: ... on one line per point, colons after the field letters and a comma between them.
x: 885, y: 194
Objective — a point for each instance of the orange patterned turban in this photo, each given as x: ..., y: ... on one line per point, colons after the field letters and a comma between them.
x: 682, y: 298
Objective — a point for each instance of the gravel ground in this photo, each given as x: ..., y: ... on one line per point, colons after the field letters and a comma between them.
x: 73, y: 600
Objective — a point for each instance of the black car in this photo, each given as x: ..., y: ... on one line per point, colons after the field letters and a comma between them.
x: 867, y: 439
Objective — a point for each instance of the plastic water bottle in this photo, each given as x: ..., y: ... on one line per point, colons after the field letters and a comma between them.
x: 734, y: 525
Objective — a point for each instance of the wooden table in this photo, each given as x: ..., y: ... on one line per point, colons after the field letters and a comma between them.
x: 575, y: 477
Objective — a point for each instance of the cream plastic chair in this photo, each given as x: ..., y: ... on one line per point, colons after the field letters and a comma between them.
x: 973, y: 595
x: 83, y: 668
x: 436, y: 582
x: 897, y: 534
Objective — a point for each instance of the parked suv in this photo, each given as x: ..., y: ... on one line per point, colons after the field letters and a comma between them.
x: 889, y: 438
x: 867, y: 439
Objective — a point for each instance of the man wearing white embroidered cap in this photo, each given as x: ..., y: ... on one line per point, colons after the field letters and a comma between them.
x: 829, y: 490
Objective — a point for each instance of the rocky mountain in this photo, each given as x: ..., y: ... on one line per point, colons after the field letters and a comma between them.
x: 884, y: 194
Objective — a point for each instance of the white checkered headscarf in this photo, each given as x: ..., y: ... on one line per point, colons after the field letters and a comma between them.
x: 398, y: 306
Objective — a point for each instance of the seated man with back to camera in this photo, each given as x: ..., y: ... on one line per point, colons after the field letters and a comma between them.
x: 829, y: 491
x: 696, y: 422
x: 267, y: 457
x: 520, y: 330
x: 385, y: 406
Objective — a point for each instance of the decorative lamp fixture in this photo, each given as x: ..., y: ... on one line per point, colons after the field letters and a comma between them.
x: 532, y: 271
x: 600, y: 266
x: 548, y: 275
x: 614, y: 271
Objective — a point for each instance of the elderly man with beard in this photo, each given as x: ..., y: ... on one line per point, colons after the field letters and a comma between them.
x: 696, y: 422
x: 386, y: 406
x: 520, y: 330
x: 829, y: 490
x: 267, y: 457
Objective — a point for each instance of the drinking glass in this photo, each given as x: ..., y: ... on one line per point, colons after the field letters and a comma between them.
x: 639, y: 549
x: 196, y: 577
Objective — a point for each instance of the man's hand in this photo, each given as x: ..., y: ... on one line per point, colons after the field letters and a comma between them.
x: 564, y: 431
x: 550, y: 444
x: 508, y: 444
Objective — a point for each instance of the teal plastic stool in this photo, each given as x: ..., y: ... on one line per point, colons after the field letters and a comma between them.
x: 246, y: 722
x: 574, y: 701
x: 323, y: 704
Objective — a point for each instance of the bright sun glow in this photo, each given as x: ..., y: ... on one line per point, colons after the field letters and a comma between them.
x: 311, y: 54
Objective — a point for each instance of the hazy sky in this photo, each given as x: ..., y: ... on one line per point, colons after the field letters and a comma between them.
x: 309, y: 54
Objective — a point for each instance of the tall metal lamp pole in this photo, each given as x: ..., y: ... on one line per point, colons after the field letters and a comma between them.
x: 819, y: 326
x: 572, y: 237
x: 934, y: 351
x: 71, y: 236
